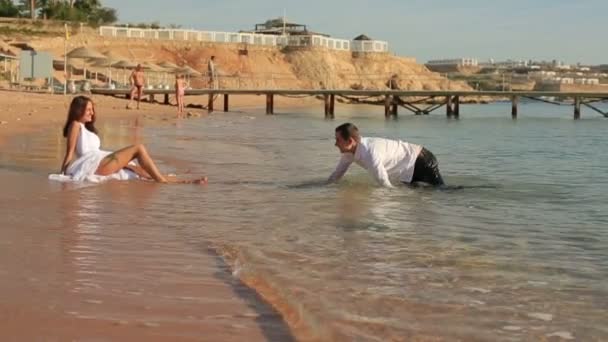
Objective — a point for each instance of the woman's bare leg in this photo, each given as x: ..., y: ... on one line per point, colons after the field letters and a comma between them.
x: 170, y: 178
x: 139, y: 171
x: 201, y: 181
x: 119, y: 159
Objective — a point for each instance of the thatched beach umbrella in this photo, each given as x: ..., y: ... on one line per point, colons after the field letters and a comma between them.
x: 169, y: 68
x: 84, y: 52
x: 168, y: 65
x: 189, y: 72
x: 125, y: 64
x: 154, y: 68
x: 113, y: 55
x: 107, y: 63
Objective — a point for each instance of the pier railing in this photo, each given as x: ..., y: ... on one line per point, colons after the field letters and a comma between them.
x: 417, y: 102
x: 278, y: 81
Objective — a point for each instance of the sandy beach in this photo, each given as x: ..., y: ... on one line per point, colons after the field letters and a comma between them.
x: 25, y: 112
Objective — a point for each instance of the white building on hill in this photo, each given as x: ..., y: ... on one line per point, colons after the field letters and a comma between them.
x: 459, y: 62
x: 276, y: 32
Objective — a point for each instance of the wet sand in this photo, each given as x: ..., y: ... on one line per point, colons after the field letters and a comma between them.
x: 63, y: 277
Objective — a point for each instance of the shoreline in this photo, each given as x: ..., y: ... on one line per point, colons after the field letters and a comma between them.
x: 26, y: 112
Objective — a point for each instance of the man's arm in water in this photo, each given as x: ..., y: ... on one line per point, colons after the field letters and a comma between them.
x: 343, y: 165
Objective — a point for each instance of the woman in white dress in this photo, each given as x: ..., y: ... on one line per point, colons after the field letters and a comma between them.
x: 85, y: 160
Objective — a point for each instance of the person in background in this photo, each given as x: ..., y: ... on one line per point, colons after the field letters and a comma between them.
x: 211, y: 71
x: 180, y: 91
x: 393, y: 82
x: 138, y: 81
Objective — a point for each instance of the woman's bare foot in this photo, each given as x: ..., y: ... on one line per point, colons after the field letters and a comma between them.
x: 199, y: 181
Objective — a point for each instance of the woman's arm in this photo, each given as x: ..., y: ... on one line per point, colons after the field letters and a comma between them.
x: 73, y: 132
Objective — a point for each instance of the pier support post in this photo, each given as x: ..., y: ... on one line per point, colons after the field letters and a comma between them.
x: 449, y: 110
x: 269, y: 104
x: 514, y: 103
x: 387, y: 106
x: 394, y: 107
x: 166, y: 100
x: 326, y: 105
x: 332, y: 105
x: 577, y: 108
x: 456, y: 106
x: 225, y: 102
x: 210, y: 103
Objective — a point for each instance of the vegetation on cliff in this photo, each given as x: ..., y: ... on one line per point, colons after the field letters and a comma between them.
x: 85, y: 11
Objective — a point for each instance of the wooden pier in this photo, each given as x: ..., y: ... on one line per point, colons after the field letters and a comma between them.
x: 417, y: 102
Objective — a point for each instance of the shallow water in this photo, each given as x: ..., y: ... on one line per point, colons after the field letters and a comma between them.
x: 521, y: 253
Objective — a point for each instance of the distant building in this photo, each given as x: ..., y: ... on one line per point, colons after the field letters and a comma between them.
x: 280, y: 26
x: 457, y: 62
x: 509, y: 63
x: 274, y: 32
x: 363, y: 43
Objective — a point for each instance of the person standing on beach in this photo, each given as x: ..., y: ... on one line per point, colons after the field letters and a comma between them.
x: 138, y: 81
x: 385, y: 158
x: 211, y: 71
x: 180, y: 92
x: 393, y: 82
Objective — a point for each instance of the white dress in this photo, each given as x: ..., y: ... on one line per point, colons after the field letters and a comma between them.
x: 88, y: 156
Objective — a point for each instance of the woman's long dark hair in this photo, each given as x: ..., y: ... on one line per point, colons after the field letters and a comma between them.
x: 77, y: 109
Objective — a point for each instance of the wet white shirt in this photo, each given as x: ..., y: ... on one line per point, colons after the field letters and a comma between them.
x: 383, y: 159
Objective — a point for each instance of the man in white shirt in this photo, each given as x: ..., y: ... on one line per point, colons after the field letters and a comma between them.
x: 385, y: 158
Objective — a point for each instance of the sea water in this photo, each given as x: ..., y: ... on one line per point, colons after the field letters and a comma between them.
x: 521, y: 252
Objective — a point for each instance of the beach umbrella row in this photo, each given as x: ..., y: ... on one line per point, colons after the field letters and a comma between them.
x: 110, y: 59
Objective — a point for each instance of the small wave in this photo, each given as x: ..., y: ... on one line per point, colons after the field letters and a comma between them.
x: 301, y: 323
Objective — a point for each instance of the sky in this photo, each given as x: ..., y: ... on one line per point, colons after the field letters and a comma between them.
x: 566, y: 30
